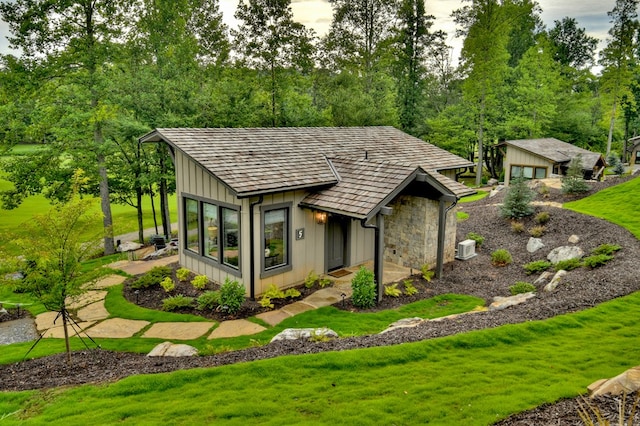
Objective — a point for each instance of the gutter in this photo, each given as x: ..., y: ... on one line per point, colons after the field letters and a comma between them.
x: 252, y: 251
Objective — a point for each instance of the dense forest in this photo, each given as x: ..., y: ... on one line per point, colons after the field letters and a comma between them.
x: 94, y: 75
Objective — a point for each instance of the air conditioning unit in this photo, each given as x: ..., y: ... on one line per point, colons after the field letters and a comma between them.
x: 466, y: 250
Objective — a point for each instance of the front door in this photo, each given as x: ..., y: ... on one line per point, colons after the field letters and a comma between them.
x: 336, y: 242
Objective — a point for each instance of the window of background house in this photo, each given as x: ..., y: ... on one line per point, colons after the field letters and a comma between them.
x: 541, y: 172
x: 527, y: 172
x: 191, y: 213
x: 210, y: 216
x: 516, y: 172
x: 230, y: 235
x: 276, y: 238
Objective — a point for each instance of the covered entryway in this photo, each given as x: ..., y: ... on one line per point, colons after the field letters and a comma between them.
x: 336, y: 242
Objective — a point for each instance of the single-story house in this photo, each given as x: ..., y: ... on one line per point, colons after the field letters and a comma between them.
x: 633, y: 147
x: 540, y: 158
x: 269, y: 205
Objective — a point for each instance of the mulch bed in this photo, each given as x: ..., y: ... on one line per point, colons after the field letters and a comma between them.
x: 582, y: 289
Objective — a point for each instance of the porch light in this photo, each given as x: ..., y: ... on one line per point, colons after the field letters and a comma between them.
x: 321, y: 218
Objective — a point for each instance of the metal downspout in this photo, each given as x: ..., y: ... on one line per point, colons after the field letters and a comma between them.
x: 252, y: 254
x: 378, y: 260
x: 442, y: 224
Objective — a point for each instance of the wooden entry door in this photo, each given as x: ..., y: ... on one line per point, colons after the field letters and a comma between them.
x: 336, y: 242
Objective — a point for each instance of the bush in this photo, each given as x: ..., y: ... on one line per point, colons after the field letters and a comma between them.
x: 501, y: 257
x: 176, y: 302
x: 536, y: 266
x: 542, y: 218
x: 544, y: 191
x: 273, y: 292
x: 183, y: 274
x: 568, y: 264
x: 517, y: 201
x: 409, y: 288
x: 200, y: 282
x: 231, y: 296
x: 427, y: 273
x: 517, y: 227
x: 392, y: 290
x: 606, y: 249
x: 479, y: 239
x: 152, y: 278
x: 521, y: 287
x: 208, y: 300
x: 265, y: 302
x: 596, y: 260
x: 292, y: 293
x: 324, y: 282
x: 573, y: 182
x: 311, y: 279
x: 364, y: 289
x: 537, y: 231
x: 168, y: 285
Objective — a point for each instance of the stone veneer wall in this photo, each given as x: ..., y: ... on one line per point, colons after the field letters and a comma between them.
x: 411, y: 232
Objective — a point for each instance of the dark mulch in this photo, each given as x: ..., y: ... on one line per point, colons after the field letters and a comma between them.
x: 13, y: 314
x: 582, y: 289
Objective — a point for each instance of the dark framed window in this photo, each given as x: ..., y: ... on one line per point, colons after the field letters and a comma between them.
x: 192, y: 228
x: 528, y: 172
x: 230, y: 237
x: 276, y: 239
x: 211, y: 238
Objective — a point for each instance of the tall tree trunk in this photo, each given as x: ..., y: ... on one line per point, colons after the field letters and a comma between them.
x: 153, y: 208
x: 105, y: 205
x: 480, y: 144
x: 612, y: 122
x: 140, y: 220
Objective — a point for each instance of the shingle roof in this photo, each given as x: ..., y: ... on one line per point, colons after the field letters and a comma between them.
x: 557, y: 151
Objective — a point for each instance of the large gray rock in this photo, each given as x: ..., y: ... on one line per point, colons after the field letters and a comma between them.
x: 534, y: 245
x: 129, y: 246
x: 173, y: 350
x: 496, y: 190
x: 564, y: 253
x: 543, y: 278
x: 500, y: 303
x: 557, y: 279
x: 574, y: 239
x: 304, y: 333
x: 404, y: 323
x: 625, y: 383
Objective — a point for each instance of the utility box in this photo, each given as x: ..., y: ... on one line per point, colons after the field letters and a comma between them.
x: 466, y: 250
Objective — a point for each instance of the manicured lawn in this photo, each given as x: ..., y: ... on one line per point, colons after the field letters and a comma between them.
x: 470, y: 379
x: 477, y: 196
x: 617, y: 204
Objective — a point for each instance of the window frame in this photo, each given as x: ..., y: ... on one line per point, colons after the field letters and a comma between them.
x: 521, y: 169
x: 287, y: 266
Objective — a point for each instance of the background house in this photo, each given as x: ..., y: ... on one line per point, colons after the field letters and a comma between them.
x: 540, y: 158
x: 633, y: 147
x: 267, y: 206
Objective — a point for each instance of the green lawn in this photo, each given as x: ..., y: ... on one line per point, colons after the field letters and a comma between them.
x: 470, y: 379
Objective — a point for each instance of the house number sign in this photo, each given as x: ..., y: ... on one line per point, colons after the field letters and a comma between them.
x: 300, y: 234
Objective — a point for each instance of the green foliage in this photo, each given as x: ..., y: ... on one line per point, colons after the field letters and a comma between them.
x: 501, y: 257
x: 292, y: 293
x: 542, y: 218
x: 311, y: 279
x: 324, y: 282
x: 200, y: 282
x: 521, y: 287
x: 568, y: 264
x: 517, y: 227
x: 517, y: 201
x: 392, y: 290
x: 606, y: 249
x: 427, y: 272
x: 274, y: 292
x: 537, y: 231
x: 461, y: 216
x: 536, y: 266
x: 543, y: 190
x: 168, y: 285
x: 152, y: 278
x: 208, y: 300
x: 183, y: 274
x: 265, y: 302
x: 176, y: 302
x: 479, y: 239
x: 409, y: 288
x: 596, y: 260
x: 573, y: 182
x: 231, y: 296
x: 364, y: 289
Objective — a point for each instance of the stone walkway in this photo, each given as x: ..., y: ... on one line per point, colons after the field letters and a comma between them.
x: 94, y: 320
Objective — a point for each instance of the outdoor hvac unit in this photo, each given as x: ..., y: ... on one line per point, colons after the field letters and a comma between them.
x: 466, y: 250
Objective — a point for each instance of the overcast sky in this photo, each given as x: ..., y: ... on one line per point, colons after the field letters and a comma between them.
x: 316, y: 14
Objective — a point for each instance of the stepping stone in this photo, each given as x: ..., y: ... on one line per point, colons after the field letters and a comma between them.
x: 236, y: 328
x: 117, y: 328
x: 108, y: 281
x: 325, y: 297
x: 137, y: 267
x: 93, y: 312
x: 58, y: 331
x: 178, y: 330
x: 296, y: 308
x: 273, y: 317
x: 87, y: 298
x: 45, y: 320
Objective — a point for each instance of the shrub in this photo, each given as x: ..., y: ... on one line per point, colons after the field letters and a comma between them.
x: 231, y: 296
x: 501, y: 257
x: 392, y: 290
x: 208, y: 300
x: 183, y: 274
x: 200, y: 282
x: 573, y: 182
x: 364, y: 289
x: 273, y: 292
x: 265, y: 302
x: 517, y: 227
x: 517, y: 201
x: 409, y: 288
x: 522, y: 287
x: 536, y: 266
x: 542, y: 218
x: 537, y: 231
x: 543, y: 190
x: 606, y: 249
x: 311, y: 279
x: 152, y: 278
x: 427, y: 273
x: 168, y: 285
x: 596, y: 260
x: 176, y: 302
x: 479, y: 239
x: 292, y: 293
x: 324, y: 282
x: 568, y: 264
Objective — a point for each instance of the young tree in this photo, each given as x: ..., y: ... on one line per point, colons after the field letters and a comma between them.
x: 573, y: 182
x: 517, y: 201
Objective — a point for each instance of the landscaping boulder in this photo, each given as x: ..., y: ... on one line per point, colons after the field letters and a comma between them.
x: 129, y: 246
x: 564, y: 253
x: 574, y: 239
x: 543, y: 278
x: 625, y: 383
x: 304, y: 333
x: 492, y: 182
x: 404, y: 323
x: 496, y: 190
x: 174, y: 350
x: 500, y: 303
x: 534, y: 245
x: 557, y: 278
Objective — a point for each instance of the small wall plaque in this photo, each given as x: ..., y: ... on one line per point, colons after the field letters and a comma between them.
x: 300, y: 234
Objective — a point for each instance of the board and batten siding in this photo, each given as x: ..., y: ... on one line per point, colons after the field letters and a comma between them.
x: 361, y: 242
x: 519, y: 157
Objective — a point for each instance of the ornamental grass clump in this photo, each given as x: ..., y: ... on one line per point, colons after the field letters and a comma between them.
x: 521, y: 287
x: 176, y: 302
x: 536, y: 266
x: 501, y: 257
x: 537, y: 231
x: 517, y: 227
x: 542, y: 218
x: 364, y: 289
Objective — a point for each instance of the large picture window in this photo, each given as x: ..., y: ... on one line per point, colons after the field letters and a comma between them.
x: 230, y: 237
x: 276, y: 239
x: 210, y: 215
x: 528, y: 172
x: 191, y: 223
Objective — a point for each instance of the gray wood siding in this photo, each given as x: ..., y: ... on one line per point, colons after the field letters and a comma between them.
x: 518, y: 157
x: 361, y: 243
